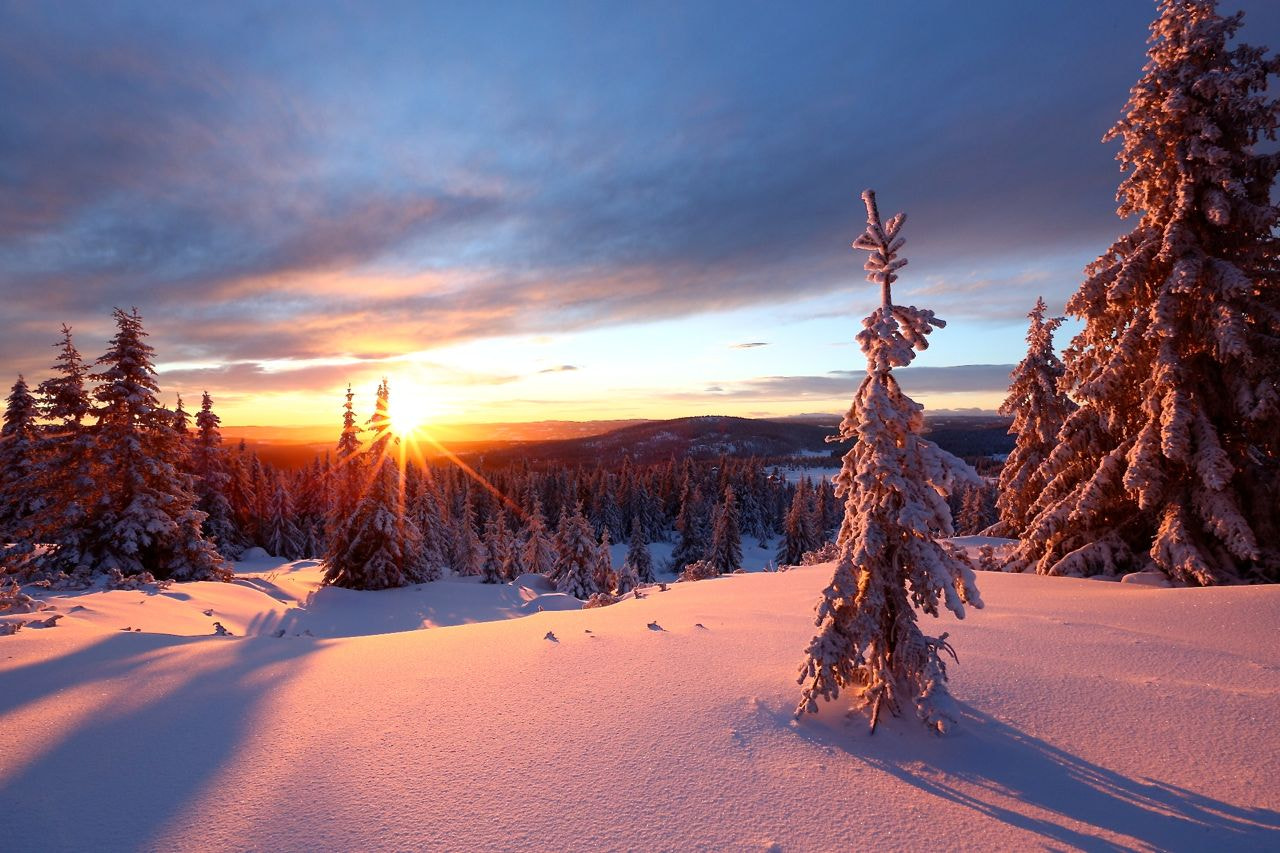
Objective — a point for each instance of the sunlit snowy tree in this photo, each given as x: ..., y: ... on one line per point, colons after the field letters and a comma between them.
x: 209, y: 464
x: 889, y: 561
x: 66, y: 458
x: 142, y: 517
x: 1039, y: 408
x: 539, y: 547
x: 577, y: 555
x: 1173, y: 457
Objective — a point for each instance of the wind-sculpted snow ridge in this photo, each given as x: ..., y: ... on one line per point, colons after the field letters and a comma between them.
x: 628, y: 737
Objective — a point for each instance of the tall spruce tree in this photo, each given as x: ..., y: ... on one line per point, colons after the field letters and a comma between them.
x: 893, y: 482
x: 725, y: 552
x: 1173, y: 458
x: 143, y: 516
x: 210, y: 466
x: 1039, y: 408
x: 799, y: 529
x: 539, y: 546
x: 66, y: 474
x: 20, y: 496
x: 577, y: 555
x: 281, y: 535
x: 638, y: 560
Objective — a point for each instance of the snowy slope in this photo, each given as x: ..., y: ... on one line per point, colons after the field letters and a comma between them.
x: 1097, y: 715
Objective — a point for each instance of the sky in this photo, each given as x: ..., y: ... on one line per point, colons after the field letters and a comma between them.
x: 537, y: 211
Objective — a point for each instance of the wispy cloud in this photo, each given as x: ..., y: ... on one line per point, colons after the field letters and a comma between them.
x: 750, y: 345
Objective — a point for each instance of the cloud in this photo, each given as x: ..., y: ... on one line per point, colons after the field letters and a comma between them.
x: 839, y: 384
x: 561, y: 369
x: 289, y: 184
x: 751, y: 345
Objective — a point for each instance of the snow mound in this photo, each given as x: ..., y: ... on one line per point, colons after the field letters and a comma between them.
x: 1152, y: 579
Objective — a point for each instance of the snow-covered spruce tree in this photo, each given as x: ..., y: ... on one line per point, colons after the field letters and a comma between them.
x: 497, y: 548
x: 577, y: 555
x: 209, y: 464
x: 1039, y: 408
x: 281, y: 533
x: 638, y: 558
x: 20, y: 496
x: 181, y: 422
x: 604, y: 573
x: 889, y: 561
x: 143, y: 517
x: 539, y: 547
x: 1173, y: 457
x: 799, y: 529
x: 468, y: 551
x: 725, y: 552
x: 65, y: 467
x: 691, y: 527
x: 379, y: 546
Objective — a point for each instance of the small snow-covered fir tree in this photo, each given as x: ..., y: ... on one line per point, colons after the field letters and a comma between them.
x: 725, y: 552
x: 282, y: 537
x: 181, y: 422
x: 799, y: 529
x: 605, y: 576
x: 539, y: 547
x: 142, y: 518
x: 1039, y: 408
x: 889, y: 561
x: 1173, y: 457
x: 468, y: 551
x: 638, y: 560
x: 20, y: 497
x: 209, y: 464
x: 577, y: 555
x: 64, y: 464
x: 691, y: 527
x: 497, y: 548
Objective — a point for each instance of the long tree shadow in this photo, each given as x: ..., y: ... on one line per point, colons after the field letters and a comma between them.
x: 134, y: 762
x: 1010, y: 776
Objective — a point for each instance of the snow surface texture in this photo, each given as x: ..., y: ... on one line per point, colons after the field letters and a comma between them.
x: 622, y: 735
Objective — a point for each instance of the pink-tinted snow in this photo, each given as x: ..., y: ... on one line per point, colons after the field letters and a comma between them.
x: 1097, y: 715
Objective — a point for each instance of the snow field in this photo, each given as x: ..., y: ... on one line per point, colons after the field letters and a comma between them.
x: 1095, y: 715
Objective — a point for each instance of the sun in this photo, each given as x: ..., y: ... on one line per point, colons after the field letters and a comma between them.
x: 410, y: 409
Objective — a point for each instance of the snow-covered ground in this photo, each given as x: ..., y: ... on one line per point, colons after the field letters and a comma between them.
x: 1097, y: 716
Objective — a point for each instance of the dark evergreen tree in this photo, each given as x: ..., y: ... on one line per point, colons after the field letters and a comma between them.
x: 20, y: 496
x: 725, y: 553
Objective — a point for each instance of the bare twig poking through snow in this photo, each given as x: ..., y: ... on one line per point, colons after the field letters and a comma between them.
x: 654, y: 626
x: 893, y: 483
x: 219, y: 630
x: 551, y: 636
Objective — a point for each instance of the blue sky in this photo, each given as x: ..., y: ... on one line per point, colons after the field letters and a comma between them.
x: 472, y: 197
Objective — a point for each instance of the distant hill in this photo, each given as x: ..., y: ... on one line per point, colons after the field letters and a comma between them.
x: 704, y: 437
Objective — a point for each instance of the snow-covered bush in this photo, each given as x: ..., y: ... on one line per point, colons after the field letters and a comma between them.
x: 698, y: 570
